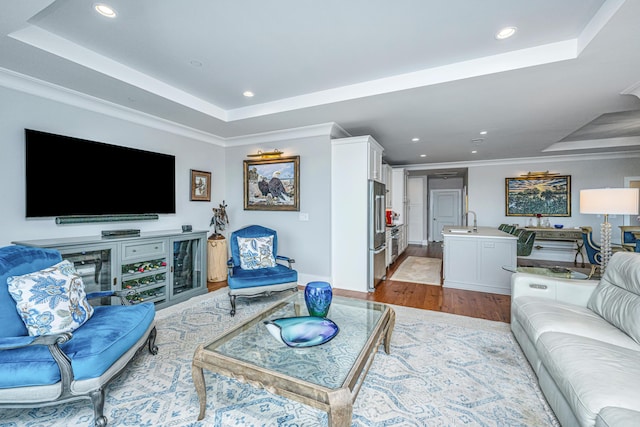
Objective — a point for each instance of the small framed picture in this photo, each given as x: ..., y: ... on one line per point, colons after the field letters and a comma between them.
x: 200, y: 186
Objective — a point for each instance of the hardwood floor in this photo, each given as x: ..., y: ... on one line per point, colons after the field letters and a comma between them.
x: 456, y: 301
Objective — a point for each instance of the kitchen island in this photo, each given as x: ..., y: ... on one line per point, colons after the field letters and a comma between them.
x: 473, y: 260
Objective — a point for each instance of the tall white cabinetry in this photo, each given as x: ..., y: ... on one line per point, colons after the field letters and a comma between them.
x: 353, y: 162
x: 399, y: 202
x: 387, y: 172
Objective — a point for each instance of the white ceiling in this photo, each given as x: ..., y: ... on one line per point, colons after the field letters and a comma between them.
x: 391, y: 69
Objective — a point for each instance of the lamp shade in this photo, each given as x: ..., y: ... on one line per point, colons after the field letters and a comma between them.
x: 610, y: 201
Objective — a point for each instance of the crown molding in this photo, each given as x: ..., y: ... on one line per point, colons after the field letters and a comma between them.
x: 634, y: 89
x: 330, y: 130
x: 23, y: 83
x: 523, y: 160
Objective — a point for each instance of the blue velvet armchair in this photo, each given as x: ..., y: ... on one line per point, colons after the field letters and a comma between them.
x: 54, y: 368
x: 254, y: 266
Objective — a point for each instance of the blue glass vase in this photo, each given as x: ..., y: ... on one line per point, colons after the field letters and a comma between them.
x: 317, y: 296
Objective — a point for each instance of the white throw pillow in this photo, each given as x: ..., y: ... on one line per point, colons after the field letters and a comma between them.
x: 51, y: 300
x: 256, y: 252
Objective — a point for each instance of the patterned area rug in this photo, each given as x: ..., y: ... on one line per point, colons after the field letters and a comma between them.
x: 417, y: 269
x: 443, y: 370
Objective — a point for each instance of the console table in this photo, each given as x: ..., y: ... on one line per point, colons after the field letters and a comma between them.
x: 163, y: 267
x: 561, y: 235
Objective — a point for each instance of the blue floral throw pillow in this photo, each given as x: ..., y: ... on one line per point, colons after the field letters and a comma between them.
x: 256, y: 252
x: 52, y: 300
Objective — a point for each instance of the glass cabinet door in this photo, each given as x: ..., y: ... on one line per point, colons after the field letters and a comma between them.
x: 94, y: 267
x: 187, y: 267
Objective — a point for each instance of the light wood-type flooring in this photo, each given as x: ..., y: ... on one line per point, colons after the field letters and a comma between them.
x: 456, y: 301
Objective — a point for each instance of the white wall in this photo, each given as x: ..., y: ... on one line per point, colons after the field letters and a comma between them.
x: 19, y: 110
x: 308, y: 242
x: 487, y: 187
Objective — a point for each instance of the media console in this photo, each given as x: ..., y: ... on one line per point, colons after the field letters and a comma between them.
x: 164, y: 267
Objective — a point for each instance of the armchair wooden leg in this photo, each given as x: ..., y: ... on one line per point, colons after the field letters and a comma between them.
x: 97, y: 398
x: 232, y: 298
x: 153, y: 348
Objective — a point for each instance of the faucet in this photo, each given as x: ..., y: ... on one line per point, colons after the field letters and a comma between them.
x: 475, y: 220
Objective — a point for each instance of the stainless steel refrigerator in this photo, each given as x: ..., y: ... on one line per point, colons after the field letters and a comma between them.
x: 377, y: 230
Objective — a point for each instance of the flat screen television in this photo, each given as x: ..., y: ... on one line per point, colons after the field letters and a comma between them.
x: 68, y: 176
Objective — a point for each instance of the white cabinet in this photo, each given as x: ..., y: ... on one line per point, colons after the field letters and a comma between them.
x: 352, y: 165
x: 474, y: 261
x: 402, y: 239
x: 388, y: 240
x: 387, y: 172
x: 399, y: 200
x: 375, y: 160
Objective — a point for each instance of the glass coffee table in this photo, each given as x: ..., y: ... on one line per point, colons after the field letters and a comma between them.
x: 327, y: 376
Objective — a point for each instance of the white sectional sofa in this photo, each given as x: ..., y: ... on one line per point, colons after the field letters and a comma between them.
x: 582, y: 339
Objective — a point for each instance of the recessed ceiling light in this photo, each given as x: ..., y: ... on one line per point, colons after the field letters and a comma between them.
x: 483, y: 132
x: 248, y: 94
x: 505, y: 33
x: 415, y: 139
x: 474, y: 152
x: 105, y: 10
x: 423, y: 155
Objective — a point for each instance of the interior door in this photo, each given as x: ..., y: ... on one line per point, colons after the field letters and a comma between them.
x: 415, y: 194
x: 445, y: 211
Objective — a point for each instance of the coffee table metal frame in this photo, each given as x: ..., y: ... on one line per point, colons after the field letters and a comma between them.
x: 337, y: 402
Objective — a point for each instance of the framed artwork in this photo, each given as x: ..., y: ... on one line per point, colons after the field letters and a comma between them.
x: 272, y: 185
x: 547, y: 196
x: 200, y: 186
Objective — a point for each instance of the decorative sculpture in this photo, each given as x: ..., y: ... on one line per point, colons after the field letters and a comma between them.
x: 219, y: 220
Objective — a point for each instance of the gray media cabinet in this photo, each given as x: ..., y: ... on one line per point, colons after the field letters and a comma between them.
x: 165, y: 267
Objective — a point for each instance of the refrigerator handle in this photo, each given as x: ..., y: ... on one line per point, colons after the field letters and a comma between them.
x: 380, y: 221
x: 382, y: 248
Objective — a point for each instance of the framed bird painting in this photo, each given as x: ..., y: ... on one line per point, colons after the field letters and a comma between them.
x: 272, y: 184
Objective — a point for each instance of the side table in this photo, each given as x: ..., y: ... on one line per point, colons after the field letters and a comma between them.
x: 216, y: 259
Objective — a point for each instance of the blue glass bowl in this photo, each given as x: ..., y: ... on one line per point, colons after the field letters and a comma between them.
x: 558, y: 225
x: 302, y: 331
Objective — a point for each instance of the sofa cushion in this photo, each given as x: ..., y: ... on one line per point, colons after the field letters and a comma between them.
x: 538, y: 315
x: 618, y: 417
x: 51, y: 300
x: 14, y: 261
x: 617, y: 296
x: 591, y: 374
x: 111, y: 332
x: 256, y: 252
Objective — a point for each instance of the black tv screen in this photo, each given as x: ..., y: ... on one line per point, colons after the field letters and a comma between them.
x: 69, y: 176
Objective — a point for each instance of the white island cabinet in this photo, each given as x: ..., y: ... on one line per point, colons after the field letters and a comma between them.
x: 474, y: 260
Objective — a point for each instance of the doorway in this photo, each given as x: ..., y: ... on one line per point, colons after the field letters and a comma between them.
x: 444, y: 210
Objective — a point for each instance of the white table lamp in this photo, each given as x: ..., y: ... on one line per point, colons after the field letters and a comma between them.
x: 609, y: 201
